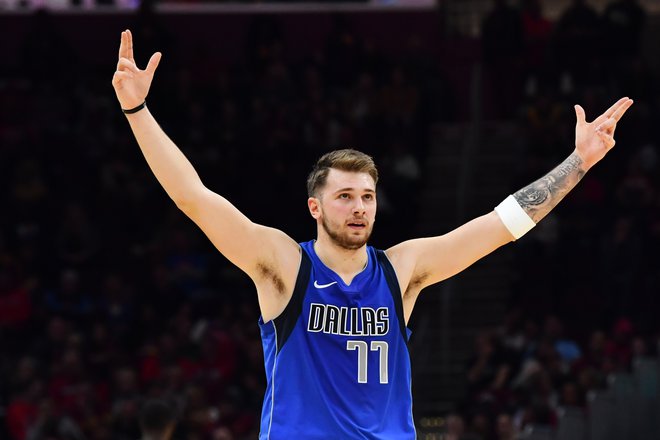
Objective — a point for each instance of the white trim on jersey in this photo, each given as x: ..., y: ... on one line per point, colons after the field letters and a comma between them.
x: 272, y: 385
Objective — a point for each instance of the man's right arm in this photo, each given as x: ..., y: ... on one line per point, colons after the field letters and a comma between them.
x: 248, y: 245
x: 267, y: 255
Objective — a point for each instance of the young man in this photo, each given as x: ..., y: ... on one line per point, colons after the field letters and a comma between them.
x: 334, y: 310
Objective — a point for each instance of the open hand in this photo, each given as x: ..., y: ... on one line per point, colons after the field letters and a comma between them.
x: 594, y: 139
x: 132, y: 84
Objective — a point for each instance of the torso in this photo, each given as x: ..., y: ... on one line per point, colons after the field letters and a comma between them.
x: 337, y: 359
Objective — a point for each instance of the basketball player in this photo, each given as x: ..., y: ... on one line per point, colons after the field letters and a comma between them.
x: 334, y: 310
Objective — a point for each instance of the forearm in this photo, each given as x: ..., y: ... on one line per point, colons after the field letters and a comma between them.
x: 173, y: 170
x: 540, y: 197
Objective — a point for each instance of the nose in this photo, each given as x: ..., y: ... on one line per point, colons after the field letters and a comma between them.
x: 359, y: 207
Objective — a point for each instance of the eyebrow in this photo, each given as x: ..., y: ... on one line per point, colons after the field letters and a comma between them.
x: 353, y: 189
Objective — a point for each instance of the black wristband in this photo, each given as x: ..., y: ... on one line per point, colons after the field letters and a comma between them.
x: 135, y: 109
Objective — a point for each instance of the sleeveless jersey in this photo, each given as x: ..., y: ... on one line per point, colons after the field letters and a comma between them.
x: 337, y: 360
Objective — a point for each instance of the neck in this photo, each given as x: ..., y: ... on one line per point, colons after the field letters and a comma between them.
x: 345, y: 262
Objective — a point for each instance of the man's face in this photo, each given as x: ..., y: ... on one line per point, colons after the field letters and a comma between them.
x: 346, y: 208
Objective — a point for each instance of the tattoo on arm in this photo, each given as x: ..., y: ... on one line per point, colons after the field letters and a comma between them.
x: 540, y: 197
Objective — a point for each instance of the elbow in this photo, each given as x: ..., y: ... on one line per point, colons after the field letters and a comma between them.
x: 186, y: 205
x: 188, y: 201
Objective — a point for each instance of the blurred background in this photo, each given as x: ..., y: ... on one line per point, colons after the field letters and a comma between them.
x: 110, y: 295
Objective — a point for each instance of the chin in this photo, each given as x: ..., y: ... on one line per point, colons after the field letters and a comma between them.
x: 352, y: 246
x: 346, y: 239
x: 350, y: 242
x: 356, y: 242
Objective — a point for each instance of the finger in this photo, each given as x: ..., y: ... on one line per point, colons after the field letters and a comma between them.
x: 610, y: 111
x: 153, y: 63
x: 607, y: 139
x: 130, y: 45
x: 121, y: 75
x: 607, y: 126
x: 622, y: 109
x: 125, y: 64
x: 123, y: 45
x: 580, y: 115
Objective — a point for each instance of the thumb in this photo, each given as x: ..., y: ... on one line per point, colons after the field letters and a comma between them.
x: 153, y: 63
x: 579, y: 113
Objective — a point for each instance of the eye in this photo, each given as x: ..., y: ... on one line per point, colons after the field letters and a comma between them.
x: 369, y: 196
x: 344, y: 196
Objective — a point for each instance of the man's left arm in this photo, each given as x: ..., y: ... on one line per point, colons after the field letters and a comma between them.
x: 425, y: 261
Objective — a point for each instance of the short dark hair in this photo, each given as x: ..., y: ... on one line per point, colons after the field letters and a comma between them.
x: 345, y: 160
x: 156, y: 415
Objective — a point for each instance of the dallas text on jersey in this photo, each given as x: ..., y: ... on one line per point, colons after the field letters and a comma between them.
x: 353, y: 321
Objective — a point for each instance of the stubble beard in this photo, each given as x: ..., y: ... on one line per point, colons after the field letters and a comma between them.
x: 345, y: 241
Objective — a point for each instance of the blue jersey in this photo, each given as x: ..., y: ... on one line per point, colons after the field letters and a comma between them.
x: 337, y: 359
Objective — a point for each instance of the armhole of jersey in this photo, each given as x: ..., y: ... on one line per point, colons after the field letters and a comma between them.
x: 285, y: 323
x: 393, y: 284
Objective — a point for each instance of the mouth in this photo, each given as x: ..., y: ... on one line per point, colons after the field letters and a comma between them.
x: 357, y: 225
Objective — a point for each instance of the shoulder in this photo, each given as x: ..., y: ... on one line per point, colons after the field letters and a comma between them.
x: 403, y: 261
x: 400, y: 255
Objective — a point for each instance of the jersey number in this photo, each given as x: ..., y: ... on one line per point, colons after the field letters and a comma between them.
x: 362, y: 347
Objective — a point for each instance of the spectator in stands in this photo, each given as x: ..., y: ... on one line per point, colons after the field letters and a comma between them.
x: 23, y: 408
x: 489, y: 370
x: 16, y: 308
x: 571, y: 395
x: 567, y: 349
x: 504, y: 429
x: 481, y: 426
x: 619, y: 348
x: 157, y: 420
x: 51, y: 422
x: 639, y: 348
x: 455, y: 429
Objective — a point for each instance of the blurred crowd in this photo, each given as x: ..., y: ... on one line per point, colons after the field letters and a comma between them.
x: 109, y: 295
x: 582, y: 48
x: 528, y: 372
x: 586, y: 287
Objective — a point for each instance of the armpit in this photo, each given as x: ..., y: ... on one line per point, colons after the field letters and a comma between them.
x: 414, y: 286
x: 268, y: 274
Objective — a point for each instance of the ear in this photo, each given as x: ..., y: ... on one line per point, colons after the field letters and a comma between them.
x: 314, y: 206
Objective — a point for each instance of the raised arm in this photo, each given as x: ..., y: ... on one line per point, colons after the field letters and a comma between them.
x: 592, y: 142
x: 267, y: 255
x: 426, y: 261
